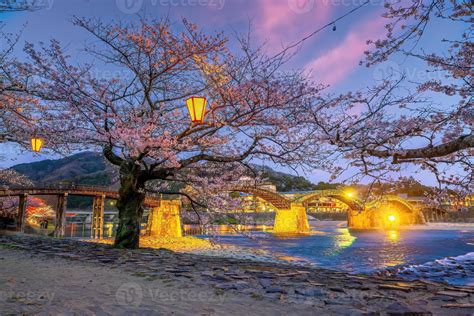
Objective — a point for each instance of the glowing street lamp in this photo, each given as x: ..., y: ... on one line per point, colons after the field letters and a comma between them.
x: 36, y: 144
x: 197, y: 108
x: 350, y: 194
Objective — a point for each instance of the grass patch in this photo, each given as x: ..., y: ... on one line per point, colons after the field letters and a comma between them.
x: 9, y: 246
x: 257, y: 296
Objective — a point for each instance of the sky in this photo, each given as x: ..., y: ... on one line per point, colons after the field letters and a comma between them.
x: 331, y: 56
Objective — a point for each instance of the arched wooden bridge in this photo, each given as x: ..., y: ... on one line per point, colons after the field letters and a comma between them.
x: 274, y: 198
x: 281, y: 202
x: 353, y: 202
x: 278, y: 200
x: 290, y: 212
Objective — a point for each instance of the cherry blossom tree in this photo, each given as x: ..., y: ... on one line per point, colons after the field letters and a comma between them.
x: 9, y: 177
x: 15, y: 109
x: 130, y: 103
x: 36, y: 210
x: 15, y: 104
x: 424, y: 119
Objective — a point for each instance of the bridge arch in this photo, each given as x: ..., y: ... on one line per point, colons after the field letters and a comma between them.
x: 353, y: 203
x: 390, y: 211
x: 290, y: 217
x: 395, y: 199
x: 274, y: 198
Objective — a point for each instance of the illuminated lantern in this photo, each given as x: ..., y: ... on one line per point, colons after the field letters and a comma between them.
x: 36, y: 144
x: 197, y: 108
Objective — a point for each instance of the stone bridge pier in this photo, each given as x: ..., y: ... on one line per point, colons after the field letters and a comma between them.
x: 292, y: 220
x: 385, y: 217
x: 165, y: 220
x: 97, y: 224
x: 60, y: 221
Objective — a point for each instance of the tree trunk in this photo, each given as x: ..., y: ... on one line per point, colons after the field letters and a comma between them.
x: 130, y: 206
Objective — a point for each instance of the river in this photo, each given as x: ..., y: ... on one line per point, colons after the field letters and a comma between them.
x: 439, y: 252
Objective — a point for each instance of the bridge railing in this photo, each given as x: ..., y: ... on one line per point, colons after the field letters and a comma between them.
x: 62, y: 186
x: 72, y: 187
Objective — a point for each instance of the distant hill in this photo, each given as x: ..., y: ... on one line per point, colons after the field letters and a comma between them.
x: 287, y: 183
x: 86, y: 168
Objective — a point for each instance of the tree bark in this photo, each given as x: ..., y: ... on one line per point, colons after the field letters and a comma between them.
x: 130, y: 206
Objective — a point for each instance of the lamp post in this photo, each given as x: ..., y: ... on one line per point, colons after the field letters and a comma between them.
x: 197, y: 109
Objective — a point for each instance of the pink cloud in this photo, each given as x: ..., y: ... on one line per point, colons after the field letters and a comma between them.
x: 340, y: 61
x: 282, y: 22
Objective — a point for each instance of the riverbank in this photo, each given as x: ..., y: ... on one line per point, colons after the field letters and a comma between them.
x: 199, y: 246
x: 62, y: 276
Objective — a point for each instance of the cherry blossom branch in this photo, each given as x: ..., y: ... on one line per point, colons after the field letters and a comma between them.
x: 461, y: 143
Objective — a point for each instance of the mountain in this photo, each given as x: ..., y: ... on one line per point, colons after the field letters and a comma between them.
x: 287, y: 183
x: 86, y: 168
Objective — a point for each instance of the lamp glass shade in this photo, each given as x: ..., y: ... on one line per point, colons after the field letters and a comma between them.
x: 197, y: 108
x: 36, y: 144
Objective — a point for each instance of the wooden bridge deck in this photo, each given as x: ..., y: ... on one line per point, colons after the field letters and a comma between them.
x: 92, y: 191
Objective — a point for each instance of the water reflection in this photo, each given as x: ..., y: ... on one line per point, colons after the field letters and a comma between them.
x: 393, y: 255
x: 192, y: 229
x: 341, y: 239
x: 393, y: 235
x: 344, y: 238
x: 361, y: 251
